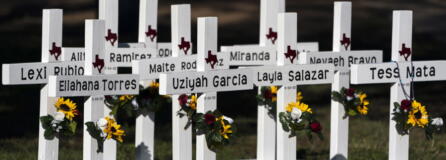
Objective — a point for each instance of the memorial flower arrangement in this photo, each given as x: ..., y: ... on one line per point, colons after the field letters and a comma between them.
x: 148, y: 100
x: 298, y: 116
x: 354, y: 101
x: 409, y: 114
x: 217, y: 128
x: 188, y: 107
x: 61, y: 123
x: 268, y: 98
x: 105, y: 128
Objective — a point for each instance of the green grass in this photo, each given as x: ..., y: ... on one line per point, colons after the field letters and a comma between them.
x: 368, y: 140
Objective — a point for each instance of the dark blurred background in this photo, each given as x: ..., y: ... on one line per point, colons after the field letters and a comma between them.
x: 20, y: 39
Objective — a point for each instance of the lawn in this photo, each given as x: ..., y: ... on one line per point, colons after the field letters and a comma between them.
x: 368, y: 140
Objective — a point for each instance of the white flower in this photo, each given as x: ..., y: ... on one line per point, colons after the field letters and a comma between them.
x: 349, y: 98
x: 356, y: 95
x: 59, y: 116
x: 230, y: 120
x: 135, y: 104
x: 58, y: 128
x: 102, y: 123
x: 296, y: 113
x: 437, y: 121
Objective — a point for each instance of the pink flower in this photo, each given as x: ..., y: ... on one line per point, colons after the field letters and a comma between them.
x: 315, y: 127
x: 350, y: 92
x: 209, y: 119
x: 406, y: 104
x: 183, y: 99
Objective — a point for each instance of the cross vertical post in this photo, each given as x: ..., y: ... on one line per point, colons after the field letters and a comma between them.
x: 207, y: 44
x: 148, y: 18
x: 268, y: 20
x: 94, y: 105
x: 109, y: 12
x: 51, y: 35
x: 339, y: 124
x: 401, y: 36
x: 266, y: 145
x: 145, y: 124
x: 287, y: 28
x: 181, y: 47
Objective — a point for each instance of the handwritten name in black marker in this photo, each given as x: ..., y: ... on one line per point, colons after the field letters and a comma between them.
x: 97, y: 85
x: 411, y: 71
x: 340, y: 60
x: 203, y: 82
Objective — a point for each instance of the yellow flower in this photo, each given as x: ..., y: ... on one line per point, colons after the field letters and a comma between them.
x: 154, y: 84
x: 274, y: 93
x: 418, y: 115
x: 363, y: 106
x: 193, y: 102
x: 226, y: 128
x: 299, y: 105
x: 125, y: 97
x: 299, y: 97
x: 67, y: 107
x: 113, y: 129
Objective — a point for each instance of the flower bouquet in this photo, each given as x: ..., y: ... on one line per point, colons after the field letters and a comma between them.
x: 62, y: 123
x: 298, y: 116
x: 218, y: 129
x: 105, y: 128
x: 148, y: 100
x: 188, y: 108
x: 409, y: 114
x: 268, y: 98
x: 355, y: 102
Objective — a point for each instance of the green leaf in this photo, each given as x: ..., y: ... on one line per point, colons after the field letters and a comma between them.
x: 396, y: 106
x: 49, y: 134
x: 352, y: 112
x: 46, y: 121
x: 95, y: 132
x: 338, y: 97
x: 72, y: 127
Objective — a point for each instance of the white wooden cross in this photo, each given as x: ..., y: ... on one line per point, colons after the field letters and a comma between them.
x: 400, y: 73
x: 38, y: 73
x: 208, y: 80
x: 121, y: 55
x: 148, y: 30
x: 342, y: 58
x: 288, y: 76
x: 94, y: 84
x: 181, y: 60
x: 261, y: 54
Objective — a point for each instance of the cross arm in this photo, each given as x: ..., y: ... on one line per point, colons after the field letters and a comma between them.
x: 92, y: 85
x: 341, y: 60
x: 202, y: 82
x: 150, y: 69
x: 291, y: 75
x: 37, y: 73
x: 390, y: 72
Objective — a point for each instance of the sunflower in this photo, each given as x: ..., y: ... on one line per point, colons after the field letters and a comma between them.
x: 363, y: 106
x: 299, y: 97
x: 299, y: 105
x: 113, y: 130
x: 418, y: 115
x: 67, y: 107
x: 274, y: 93
x: 225, y: 129
x: 193, y: 102
x: 125, y: 97
x: 154, y: 84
